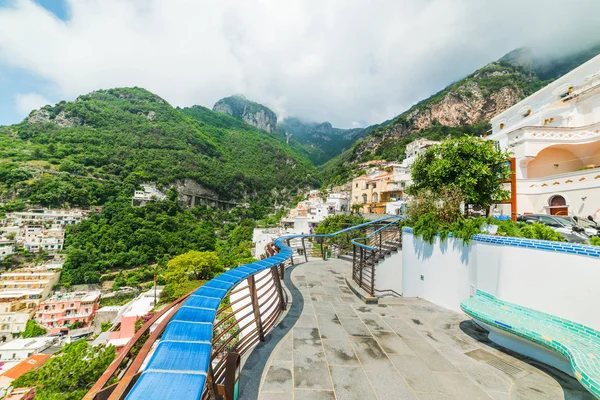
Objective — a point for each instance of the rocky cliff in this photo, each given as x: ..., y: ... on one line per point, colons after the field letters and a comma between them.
x: 248, y: 111
x: 321, y: 140
x: 463, y: 107
x: 471, y: 101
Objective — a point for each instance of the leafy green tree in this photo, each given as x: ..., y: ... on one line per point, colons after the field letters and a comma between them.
x: 126, y: 237
x: 336, y: 223
x: 69, y: 374
x: 173, y: 291
x: 32, y: 329
x: 475, y: 167
x: 105, y: 326
x: 193, y: 265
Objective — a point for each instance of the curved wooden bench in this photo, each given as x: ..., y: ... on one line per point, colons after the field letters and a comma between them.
x: 577, y: 343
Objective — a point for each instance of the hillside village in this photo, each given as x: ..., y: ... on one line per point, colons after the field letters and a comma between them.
x: 38, y: 315
x: 407, y: 215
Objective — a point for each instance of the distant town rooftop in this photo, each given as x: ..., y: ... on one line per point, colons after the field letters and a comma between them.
x: 142, y: 304
x: 7, y: 294
x: 29, y: 343
x: 82, y: 296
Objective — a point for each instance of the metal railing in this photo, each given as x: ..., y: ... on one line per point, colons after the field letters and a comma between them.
x: 221, y: 321
x: 367, y: 252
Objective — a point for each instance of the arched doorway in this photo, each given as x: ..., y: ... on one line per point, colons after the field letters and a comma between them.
x: 558, y: 205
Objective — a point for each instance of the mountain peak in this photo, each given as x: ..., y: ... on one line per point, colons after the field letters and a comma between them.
x: 255, y: 114
x: 521, y: 57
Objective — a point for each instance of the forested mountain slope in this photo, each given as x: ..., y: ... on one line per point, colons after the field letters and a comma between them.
x: 318, y: 141
x: 81, y: 153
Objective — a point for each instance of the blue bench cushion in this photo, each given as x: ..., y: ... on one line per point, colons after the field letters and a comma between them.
x: 578, y: 343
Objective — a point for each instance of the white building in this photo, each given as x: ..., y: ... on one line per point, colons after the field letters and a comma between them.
x: 21, y: 349
x: 263, y: 236
x: 415, y: 148
x: 6, y: 248
x: 554, y: 136
x: 147, y: 194
x: 338, y: 202
x: 309, y: 213
x: 39, y: 239
x: 47, y: 218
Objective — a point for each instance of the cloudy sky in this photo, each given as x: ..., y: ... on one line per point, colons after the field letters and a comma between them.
x: 351, y: 62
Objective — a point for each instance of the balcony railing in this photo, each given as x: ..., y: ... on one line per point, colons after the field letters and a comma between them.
x: 202, y: 335
x: 559, y: 134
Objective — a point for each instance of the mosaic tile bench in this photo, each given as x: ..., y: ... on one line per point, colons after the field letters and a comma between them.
x: 577, y: 343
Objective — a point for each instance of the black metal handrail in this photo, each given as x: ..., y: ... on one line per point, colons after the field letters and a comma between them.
x: 367, y: 252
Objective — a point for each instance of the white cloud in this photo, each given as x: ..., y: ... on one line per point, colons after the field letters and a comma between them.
x: 29, y: 101
x: 340, y: 60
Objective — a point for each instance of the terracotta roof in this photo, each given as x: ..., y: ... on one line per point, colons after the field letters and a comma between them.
x: 33, y: 362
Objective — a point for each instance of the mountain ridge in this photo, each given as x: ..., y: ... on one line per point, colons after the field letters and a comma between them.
x: 320, y: 141
x: 465, y: 106
x: 106, y: 142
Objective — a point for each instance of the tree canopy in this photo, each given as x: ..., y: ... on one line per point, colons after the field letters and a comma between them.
x: 32, y: 329
x: 193, y: 266
x: 122, y: 236
x: 473, y: 166
x: 70, y: 373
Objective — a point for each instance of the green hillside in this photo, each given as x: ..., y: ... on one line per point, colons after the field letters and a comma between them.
x: 83, y: 152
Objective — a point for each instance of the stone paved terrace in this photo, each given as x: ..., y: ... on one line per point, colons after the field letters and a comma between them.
x: 330, y: 345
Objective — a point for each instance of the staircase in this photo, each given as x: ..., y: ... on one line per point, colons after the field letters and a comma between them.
x: 369, y: 251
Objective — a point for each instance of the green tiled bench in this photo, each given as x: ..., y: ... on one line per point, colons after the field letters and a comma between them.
x: 579, y: 344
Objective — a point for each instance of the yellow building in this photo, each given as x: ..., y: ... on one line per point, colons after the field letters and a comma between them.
x: 373, y: 192
x: 21, y: 292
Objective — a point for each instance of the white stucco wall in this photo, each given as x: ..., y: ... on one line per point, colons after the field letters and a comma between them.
x: 388, y: 273
x: 442, y: 274
x: 558, y: 283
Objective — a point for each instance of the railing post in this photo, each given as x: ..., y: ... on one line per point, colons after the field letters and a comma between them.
x: 360, y: 266
x: 380, y: 240
x: 373, y: 276
x: 213, y: 391
x: 277, y: 280
x: 232, y: 375
x: 292, y: 257
x: 322, y: 251
x: 256, y: 308
x: 304, y: 247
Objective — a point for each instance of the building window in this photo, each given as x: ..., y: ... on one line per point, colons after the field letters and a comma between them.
x: 364, y: 196
x: 374, y: 185
x: 357, y: 185
x: 375, y: 197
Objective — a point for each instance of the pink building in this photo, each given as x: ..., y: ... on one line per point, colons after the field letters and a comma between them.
x: 64, y: 310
